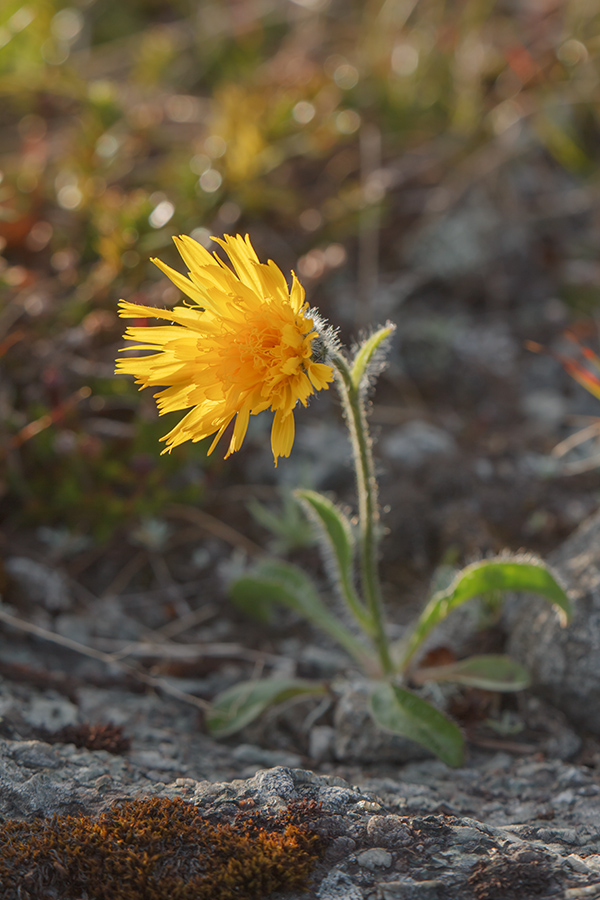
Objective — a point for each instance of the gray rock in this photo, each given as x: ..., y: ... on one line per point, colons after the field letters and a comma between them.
x: 36, y: 754
x: 50, y: 713
x: 339, y: 886
x: 251, y: 755
x: 38, y: 795
x: 410, y: 857
x: 375, y: 858
x: 321, y: 743
x: 563, y: 662
x: 547, y: 408
x: 465, y: 239
x: 39, y: 585
x: 389, y: 831
x: 416, y: 441
x: 407, y: 889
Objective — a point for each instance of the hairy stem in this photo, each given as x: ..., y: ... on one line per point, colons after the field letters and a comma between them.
x: 368, y: 507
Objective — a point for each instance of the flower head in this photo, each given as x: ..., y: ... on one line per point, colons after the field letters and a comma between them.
x: 242, y: 345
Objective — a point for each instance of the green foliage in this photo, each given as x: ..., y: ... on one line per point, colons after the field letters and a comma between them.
x: 94, y: 489
x: 365, y: 354
x: 274, y: 581
x: 395, y: 709
x: 481, y: 578
x: 337, y: 547
x: 490, y: 672
x: 241, y: 704
x: 289, y: 527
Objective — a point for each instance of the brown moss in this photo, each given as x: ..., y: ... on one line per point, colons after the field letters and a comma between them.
x: 527, y: 874
x: 92, y: 737
x: 157, y: 849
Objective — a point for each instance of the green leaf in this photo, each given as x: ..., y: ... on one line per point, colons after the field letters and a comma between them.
x: 499, y: 574
x: 337, y: 547
x: 256, y: 596
x: 274, y: 581
x: 239, y: 705
x: 334, y: 524
x: 364, y: 354
x: 288, y: 525
x: 396, y: 709
x: 491, y: 672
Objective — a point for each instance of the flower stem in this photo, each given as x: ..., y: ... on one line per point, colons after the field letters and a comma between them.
x: 368, y: 507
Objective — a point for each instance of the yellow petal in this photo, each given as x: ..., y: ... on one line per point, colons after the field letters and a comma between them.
x: 297, y: 294
x: 282, y: 434
x: 243, y: 258
x: 239, y: 430
x: 321, y: 375
x: 242, y: 346
x: 180, y: 281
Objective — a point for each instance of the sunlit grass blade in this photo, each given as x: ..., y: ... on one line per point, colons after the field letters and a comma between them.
x: 403, y: 712
x: 481, y: 578
x: 490, y: 672
x: 573, y: 367
x: 239, y: 705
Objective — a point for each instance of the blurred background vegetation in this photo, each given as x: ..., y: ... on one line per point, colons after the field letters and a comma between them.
x: 331, y: 130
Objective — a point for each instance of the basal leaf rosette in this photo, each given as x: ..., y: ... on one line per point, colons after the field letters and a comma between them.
x: 241, y: 345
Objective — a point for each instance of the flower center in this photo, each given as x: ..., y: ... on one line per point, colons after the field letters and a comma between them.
x: 265, y: 354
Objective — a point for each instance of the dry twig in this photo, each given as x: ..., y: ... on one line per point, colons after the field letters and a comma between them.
x: 107, y: 658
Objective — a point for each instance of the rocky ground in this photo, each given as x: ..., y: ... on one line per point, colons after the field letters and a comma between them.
x: 110, y: 649
x: 521, y: 819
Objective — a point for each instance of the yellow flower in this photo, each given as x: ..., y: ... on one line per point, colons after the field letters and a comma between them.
x: 243, y: 345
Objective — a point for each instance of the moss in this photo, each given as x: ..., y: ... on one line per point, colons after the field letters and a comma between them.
x: 527, y: 874
x: 157, y: 849
x: 93, y: 737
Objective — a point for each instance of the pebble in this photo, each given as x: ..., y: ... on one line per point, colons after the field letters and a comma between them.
x: 321, y: 743
x: 103, y: 782
x: 339, y: 886
x: 547, y: 408
x: 87, y: 774
x: 374, y: 858
x: 389, y: 831
x: 36, y: 754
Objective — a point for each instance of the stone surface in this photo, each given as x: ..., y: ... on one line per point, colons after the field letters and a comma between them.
x: 417, y: 441
x: 429, y: 855
x: 38, y: 584
x: 396, y: 824
x: 415, y: 829
x: 374, y: 859
x: 563, y: 662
